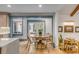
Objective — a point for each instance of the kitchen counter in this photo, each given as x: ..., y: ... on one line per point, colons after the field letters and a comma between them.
x: 9, y: 45
x: 6, y: 41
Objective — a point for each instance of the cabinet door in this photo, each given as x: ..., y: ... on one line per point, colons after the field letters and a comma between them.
x: 3, y: 20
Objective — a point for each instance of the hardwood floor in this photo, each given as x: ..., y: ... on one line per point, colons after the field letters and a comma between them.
x: 32, y: 50
x: 50, y: 51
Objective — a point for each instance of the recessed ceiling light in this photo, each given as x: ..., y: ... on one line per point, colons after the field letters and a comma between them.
x: 40, y: 6
x: 9, y: 6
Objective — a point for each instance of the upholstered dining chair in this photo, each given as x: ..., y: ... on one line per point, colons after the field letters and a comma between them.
x: 31, y: 45
x: 28, y: 44
x: 31, y: 35
x: 32, y: 40
x: 38, y: 43
x: 48, y: 41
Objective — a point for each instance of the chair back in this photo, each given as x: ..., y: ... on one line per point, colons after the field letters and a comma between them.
x: 30, y: 37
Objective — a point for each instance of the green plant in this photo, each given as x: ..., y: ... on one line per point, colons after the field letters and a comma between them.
x: 40, y: 31
x: 60, y: 39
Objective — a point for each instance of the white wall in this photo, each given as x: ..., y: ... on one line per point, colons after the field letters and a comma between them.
x: 63, y: 18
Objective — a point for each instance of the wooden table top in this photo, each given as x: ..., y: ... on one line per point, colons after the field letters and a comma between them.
x: 40, y: 37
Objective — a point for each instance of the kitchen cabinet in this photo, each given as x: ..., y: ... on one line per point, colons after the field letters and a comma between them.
x: 4, y: 19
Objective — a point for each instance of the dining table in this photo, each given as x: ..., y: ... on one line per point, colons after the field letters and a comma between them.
x: 40, y: 39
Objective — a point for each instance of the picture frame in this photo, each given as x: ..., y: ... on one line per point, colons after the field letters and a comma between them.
x: 76, y: 29
x: 68, y: 29
x: 60, y: 28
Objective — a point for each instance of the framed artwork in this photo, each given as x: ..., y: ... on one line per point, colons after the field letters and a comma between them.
x: 68, y: 29
x: 60, y: 28
x: 77, y: 29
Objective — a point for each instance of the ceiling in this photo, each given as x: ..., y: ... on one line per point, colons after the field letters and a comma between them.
x: 67, y: 9
x: 30, y: 8
x: 33, y: 8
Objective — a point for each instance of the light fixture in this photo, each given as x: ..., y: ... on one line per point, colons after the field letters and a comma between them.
x: 9, y: 6
x: 39, y: 5
x: 68, y: 23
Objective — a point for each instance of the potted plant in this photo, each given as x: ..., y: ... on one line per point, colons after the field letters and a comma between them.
x: 60, y: 42
x: 40, y: 32
x: 60, y: 39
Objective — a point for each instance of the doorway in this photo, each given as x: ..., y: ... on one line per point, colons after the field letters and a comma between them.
x: 35, y: 26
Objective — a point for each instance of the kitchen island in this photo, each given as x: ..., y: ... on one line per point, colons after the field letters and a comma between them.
x: 9, y: 45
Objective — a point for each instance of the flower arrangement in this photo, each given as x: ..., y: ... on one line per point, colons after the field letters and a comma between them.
x: 40, y: 32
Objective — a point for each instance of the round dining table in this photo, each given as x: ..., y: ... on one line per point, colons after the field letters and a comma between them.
x: 39, y: 39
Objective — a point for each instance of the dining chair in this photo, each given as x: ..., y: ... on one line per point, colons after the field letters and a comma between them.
x: 39, y: 42
x: 31, y: 35
x: 28, y: 45
x: 48, y: 41
x: 44, y: 42
x: 33, y: 40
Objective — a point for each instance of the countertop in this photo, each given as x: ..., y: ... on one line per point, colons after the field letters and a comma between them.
x: 6, y: 41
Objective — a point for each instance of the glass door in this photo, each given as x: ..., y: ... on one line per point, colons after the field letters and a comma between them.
x: 37, y: 27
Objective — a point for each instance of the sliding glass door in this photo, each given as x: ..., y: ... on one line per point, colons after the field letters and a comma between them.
x: 36, y: 26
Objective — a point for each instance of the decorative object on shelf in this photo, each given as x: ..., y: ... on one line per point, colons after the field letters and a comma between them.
x: 60, y: 28
x: 77, y: 29
x: 68, y: 29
